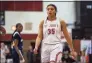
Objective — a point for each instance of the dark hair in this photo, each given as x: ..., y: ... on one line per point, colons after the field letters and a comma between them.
x: 53, y: 6
x: 16, y: 28
x: 18, y: 24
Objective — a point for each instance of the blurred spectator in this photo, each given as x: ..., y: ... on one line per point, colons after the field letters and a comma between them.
x: 9, y: 56
x: 89, y: 53
x: 83, y: 59
x: 66, y: 57
x: 86, y: 50
x: 30, y: 55
x: 4, y: 52
x: 78, y: 57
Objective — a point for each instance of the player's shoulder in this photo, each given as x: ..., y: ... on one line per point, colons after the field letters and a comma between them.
x: 62, y: 21
x: 15, y: 33
x: 41, y: 22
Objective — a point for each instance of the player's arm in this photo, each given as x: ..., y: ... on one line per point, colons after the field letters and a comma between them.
x: 66, y: 34
x: 17, y: 49
x: 40, y: 35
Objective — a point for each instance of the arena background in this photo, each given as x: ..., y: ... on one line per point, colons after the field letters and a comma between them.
x: 30, y: 13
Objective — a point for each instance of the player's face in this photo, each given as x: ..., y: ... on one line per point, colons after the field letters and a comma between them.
x: 51, y: 11
x: 20, y: 28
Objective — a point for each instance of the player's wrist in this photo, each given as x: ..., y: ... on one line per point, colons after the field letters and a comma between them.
x: 72, y: 49
x: 36, y: 47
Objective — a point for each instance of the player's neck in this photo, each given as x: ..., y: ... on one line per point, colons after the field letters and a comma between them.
x: 51, y: 18
x: 18, y: 31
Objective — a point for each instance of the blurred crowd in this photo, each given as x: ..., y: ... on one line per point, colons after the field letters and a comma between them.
x: 6, y: 56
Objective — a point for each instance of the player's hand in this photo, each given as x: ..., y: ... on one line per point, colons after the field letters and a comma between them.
x: 35, y: 50
x: 22, y: 61
x: 20, y: 57
x: 73, y: 54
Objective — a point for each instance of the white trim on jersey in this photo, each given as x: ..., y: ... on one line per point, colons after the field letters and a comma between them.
x: 15, y: 33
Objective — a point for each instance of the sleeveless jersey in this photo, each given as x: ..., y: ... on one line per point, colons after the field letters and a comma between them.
x: 52, y: 31
x: 16, y: 35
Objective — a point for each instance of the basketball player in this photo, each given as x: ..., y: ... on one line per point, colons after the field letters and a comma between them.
x: 49, y: 32
x: 17, y: 44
